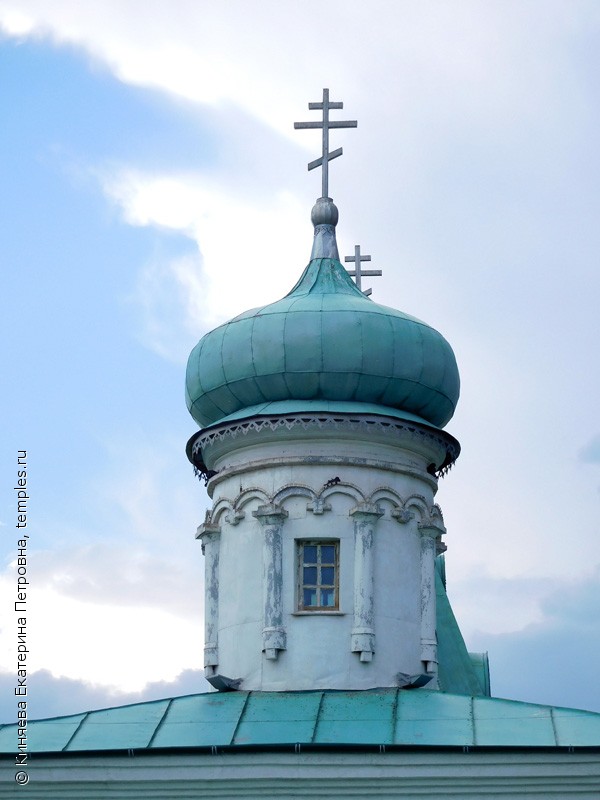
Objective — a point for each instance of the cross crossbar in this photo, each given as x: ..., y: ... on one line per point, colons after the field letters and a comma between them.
x: 318, y: 161
x: 325, y: 124
x: 349, y: 123
x: 319, y: 106
x: 357, y: 272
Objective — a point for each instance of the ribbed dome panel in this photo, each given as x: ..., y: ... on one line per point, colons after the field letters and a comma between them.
x: 324, y: 341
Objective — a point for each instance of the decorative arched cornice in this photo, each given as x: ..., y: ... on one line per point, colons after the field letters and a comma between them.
x: 417, y: 504
x: 436, y: 517
x: 293, y: 490
x: 222, y: 506
x: 383, y: 493
x: 414, y: 507
x: 233, y: 509
x: 347, y: 489
x: 247, y: 495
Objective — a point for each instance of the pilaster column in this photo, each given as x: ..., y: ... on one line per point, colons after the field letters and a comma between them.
x: 271, y: 518
x: 365, y: 517
x: 210, y: 536
x: 430, y: 536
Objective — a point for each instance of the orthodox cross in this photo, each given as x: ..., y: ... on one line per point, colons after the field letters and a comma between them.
x: 326, y: 124
x: 357, y: 272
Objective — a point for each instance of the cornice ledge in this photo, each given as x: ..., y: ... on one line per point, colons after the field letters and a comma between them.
x: 324, y: 421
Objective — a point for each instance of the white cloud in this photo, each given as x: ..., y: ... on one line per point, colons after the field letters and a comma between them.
x: 112, y: 645
x: 232, y: 236
x: 498, y: 605
x: 262, y: 56
x: 51, y: 696
x: 119, y: 600
x: 169, y: 300
x: 137, y: 491
x: 110, y: 573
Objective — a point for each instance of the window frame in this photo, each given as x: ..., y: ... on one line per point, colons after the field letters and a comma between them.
x: 301, y: 585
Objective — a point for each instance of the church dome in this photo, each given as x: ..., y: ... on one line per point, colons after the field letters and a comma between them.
x: 323, y: 347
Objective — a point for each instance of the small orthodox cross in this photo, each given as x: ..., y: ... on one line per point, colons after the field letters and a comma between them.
x: 357, y: 272
x: 326, y: 124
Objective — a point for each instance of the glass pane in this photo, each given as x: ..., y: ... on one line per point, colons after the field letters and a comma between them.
x: 327, y: 554
x: 310, y: 597
x: 328, y: 597
x: 326, y: 576
x: 310, y: 575
x: 310, y: 554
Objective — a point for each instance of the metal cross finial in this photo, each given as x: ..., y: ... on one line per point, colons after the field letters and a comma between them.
x: 357, y: 272
x: 326, y: 124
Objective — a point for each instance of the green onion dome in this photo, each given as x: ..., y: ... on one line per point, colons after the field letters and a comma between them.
x: 323, y: 347
x: 324, y: 341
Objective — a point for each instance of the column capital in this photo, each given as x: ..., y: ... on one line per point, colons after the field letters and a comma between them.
x: 234, y: 517
x: 403, y: 515
x: 318, y: 506
x: 270, y: 514
x: 426, y: 529
x: 366, y: 510
x: 206, y: 530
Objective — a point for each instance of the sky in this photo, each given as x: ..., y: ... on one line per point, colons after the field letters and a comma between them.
x: 153, y: 186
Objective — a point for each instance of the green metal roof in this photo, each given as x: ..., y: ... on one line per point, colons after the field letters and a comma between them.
x: 283, y: 407
x: 323, y: 341
x: 460, y: 672
x: 377, y: 717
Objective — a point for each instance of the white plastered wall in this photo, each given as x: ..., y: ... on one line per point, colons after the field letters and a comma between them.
x: 391, y: 488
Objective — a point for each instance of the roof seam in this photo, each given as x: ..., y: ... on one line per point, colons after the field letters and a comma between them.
x: 160, y: 722
x: 239, y: 722
x: 554, y: 730
x: 395, y: 715
x: 317, y: 718
x: 76, y: 731
x: 396, y: 360
x: 322, y: 353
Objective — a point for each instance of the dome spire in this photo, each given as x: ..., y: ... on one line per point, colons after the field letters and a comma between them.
x: 324, y: 214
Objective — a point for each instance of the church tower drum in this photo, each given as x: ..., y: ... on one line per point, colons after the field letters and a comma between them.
x: 321, y: 440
